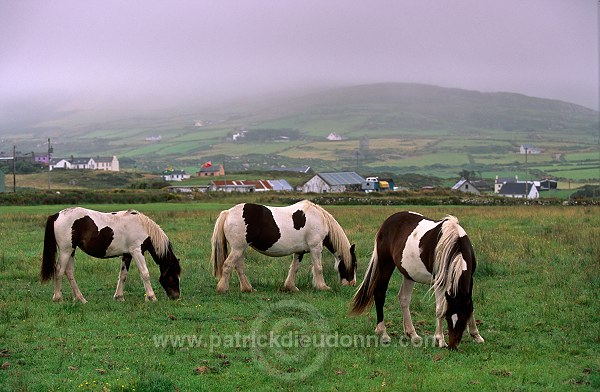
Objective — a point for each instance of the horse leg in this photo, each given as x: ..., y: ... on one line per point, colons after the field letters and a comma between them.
x: 140, y: 261
x: 473, y: 331
x: 228, y: 264
x: 290, y: 281
x: 125, y: 263
x: 404, y: 296
x: 63, y: 261
x: 77, y: 296
x: 245, y: 286
x: 438, y: 336
x: 317, y: 268
x: 381, y: 286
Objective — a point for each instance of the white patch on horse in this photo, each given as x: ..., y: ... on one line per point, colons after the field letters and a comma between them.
x: 411, y: 256
x: 464, y: 264
x: 454, y: 320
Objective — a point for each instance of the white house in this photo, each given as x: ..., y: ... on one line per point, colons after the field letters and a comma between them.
x: 529, y: 149
x: 175, y: 175
x: 334, y: 136
x: 107, y: 163
x: 520, y: 190
x: 86, y: 163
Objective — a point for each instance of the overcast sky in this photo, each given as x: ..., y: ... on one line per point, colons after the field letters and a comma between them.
x: 99, y: 51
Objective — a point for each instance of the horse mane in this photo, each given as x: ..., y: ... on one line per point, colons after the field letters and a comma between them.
x: 448, y: 264
x: 337, y: 236
x: 159, y: 239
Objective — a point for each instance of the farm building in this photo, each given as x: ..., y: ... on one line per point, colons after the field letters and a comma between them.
x: 85, y: 163
x: 519, y: 190
x: 174, y: 175
x: 499, y: 182
x: 209, y: 170
x: 546, y: 184
x: 250, y: 185
x: 529, y: 149
x: 466, y: 186
x: 333, y: 182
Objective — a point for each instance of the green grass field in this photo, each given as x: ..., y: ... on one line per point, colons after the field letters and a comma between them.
x: 536, y: 295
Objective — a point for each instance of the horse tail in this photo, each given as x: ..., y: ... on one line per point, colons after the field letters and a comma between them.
x: 365, y: 294
x: 219, y: 245
x: 49, y: 254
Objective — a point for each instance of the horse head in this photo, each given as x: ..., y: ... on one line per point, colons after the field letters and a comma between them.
x: 347, y: 275
x: 169, y: 274
x: 460, y: 303
x: 460, y: 308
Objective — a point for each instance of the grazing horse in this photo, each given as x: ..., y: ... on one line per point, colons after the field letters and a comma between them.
x: 104, y: 235
x: 301, y: 228
x: 438, y: 253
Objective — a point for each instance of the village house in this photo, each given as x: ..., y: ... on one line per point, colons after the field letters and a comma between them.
x: 529, y: 149
x: 85, y: 163
x: 250, y: 185
x: 466, y: 186
x: 211, y: 170
x: 520, y: 190
x: 333, y: 183
x: 499, y: 182
x: 174, y: 175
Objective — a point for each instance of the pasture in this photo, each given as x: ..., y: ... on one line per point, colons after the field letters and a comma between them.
x: 536, y: 299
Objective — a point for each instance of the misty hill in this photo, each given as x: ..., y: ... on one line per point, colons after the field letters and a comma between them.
x: 400, y: 107
x: 393, y: 127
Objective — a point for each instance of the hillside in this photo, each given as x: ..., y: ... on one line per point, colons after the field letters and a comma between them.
x: 390, y: 127
x: 397, y: 107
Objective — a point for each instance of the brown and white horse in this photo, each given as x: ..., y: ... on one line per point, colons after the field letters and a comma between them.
x: 301, y: 228
x: 438, y: 253
x: 104, y: 235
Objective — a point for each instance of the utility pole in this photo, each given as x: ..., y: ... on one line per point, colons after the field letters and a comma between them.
x: 14, y: 169
x: 526, y: 176
x: 50, y: 150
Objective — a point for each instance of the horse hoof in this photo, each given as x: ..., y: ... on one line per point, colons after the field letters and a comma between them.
x: 82, y: 300
x: 324, y: 288
x: 151, y: 298
x: 119, y: 298
x: 385, y: 339
x: 478, y: 339
x: 292, y: 289
x: 415, y: 340
x: 57, y: 299
x: 247, y: 290
x: 221, y: 290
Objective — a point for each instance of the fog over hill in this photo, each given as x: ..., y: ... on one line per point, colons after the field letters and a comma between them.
x: 406, y: 107
x: 373, y: 108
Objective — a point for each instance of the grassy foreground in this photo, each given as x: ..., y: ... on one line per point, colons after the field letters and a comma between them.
x: 536, y: 295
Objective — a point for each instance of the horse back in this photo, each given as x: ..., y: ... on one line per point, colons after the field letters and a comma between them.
x: 98, y: 234
x: 275, y: 231
x: 409, y: 239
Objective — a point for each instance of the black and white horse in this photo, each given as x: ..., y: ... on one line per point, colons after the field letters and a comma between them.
x: 301, y: 228
x: 438, y: 253
x: 104, y: 235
